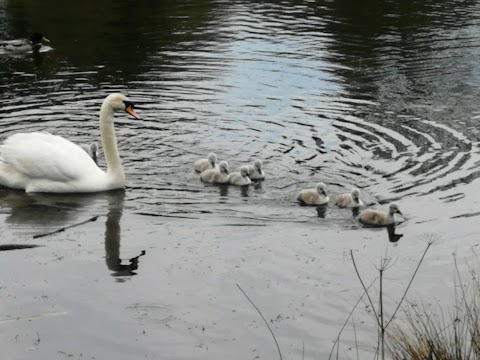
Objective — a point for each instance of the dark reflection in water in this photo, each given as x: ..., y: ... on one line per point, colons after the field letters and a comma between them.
x: 60, y: 212
x: 113, y: 238
x: 47, y: 211
x: 392, y: 236
x: 355, y: 211
x: 322, y: 211
x: 223, y: 189
x: 244, y: 191
x: 113, y: 34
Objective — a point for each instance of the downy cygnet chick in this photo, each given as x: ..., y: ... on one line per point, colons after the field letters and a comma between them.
x: 255, y: 171
x: 317, y: 196
x: 204, y: 164
x: 349, y: 200
x: 379, y: 218
x: 92, y: 150
x: 215, y: 176
x: 240, y: 178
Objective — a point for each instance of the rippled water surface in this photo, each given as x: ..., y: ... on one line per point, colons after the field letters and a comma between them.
x: 379, y: 95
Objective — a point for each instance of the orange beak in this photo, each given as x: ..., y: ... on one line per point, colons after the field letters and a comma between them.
x: 132, y: 112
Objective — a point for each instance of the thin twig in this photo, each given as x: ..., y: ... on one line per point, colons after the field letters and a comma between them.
x: 355, y: 334
x: 264, y: 320
x: 364, y: 288
x: 338, y: 349
x: 410, y: 283
x: 7, y: 247
x: 382, y: 328
x: 470, y: 317
x: 348, y: 318
x: 66, y: 227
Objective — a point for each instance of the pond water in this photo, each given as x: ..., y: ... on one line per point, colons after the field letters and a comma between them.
x: 379, y: 95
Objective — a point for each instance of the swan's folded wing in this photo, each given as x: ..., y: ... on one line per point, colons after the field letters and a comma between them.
x: 42, y: 155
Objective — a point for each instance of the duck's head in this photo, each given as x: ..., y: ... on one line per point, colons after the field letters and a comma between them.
x: 321, y: 189
x: 212, y: 159
x: 223, y: 167
x: 37, y: 38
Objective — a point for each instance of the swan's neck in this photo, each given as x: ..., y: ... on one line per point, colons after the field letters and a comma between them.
x: 391, y: 217
x: 109, y: 143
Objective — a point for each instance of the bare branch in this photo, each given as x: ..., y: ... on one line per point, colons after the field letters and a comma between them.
x: 265, y: 321
x: 364, y: 288
x: 410, y: 283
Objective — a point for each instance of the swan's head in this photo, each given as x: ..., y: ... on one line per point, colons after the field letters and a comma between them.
x: 223, y: 167
x: 257, y: 164
x: 355, y: 194
x: 119, y: 102
x: 37, y: 38
x: 244, y: 171
x: 321, y: 189
x: 212, y: 159
x: 394, y: 209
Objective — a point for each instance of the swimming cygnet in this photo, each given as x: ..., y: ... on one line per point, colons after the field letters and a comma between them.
x: 379, y: 218
x: 240, y: 178
x: 255, y: 171
x: 216, y: 176
x: 317, y: 196
x: 203, y: 164
x: 349, y: 200
x: 92, y: 150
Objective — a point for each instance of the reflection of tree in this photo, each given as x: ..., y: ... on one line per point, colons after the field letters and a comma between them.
x: 117, y: 34
x: 113, y: 237
x: 374, y: 36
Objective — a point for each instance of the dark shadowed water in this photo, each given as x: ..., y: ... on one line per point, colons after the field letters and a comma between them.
x: 381, y: 95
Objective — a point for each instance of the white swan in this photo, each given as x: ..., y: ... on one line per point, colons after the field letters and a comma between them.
x: 349, y: 200
x: 240, y: 178
x: 41, y: 162
x: 203, y: 164
x: 317, y: 196
x: 379, y: 218
x: 215, y: 176
x: 91, y: 150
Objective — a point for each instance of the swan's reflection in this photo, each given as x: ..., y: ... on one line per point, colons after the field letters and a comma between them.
x: 244, y: 190
x: 355, y: 211
x: 322, y: 211
x: 113, y: 236
x: 46, y: 210
x: 257, y: 184
x: 392, y: 237
x: 223, y: 189
x: 54, y: 211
